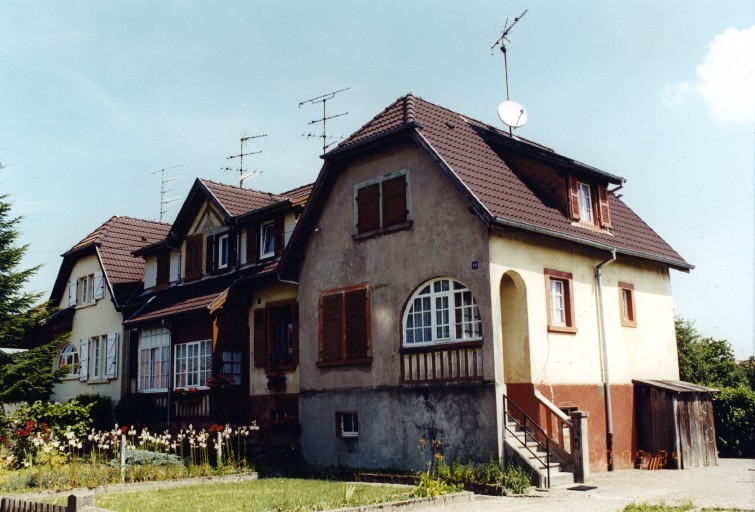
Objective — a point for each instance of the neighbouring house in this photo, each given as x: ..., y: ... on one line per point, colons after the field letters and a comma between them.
x: 97, y: 279
x: 214, y: 335
x: 450, y: 273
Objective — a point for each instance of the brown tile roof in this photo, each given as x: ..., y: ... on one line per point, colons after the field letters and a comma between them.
x: 298, y: 193
x: 238, y: 201
x: 185, y: 306
x: 116, y: 239
x: 464, y: 144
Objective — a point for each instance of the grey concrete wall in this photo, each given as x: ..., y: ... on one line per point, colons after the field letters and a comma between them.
x: 392, y: 421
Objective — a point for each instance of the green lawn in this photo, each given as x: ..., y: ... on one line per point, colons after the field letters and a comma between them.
x: 269, y: 494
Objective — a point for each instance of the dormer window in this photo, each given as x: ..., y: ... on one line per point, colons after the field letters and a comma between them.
x: 267, y: 240
x: 382, y: 204
x: 223, y: 250
x: 588, y: 203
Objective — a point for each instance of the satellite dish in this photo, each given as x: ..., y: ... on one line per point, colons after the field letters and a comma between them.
x: 512, y: 114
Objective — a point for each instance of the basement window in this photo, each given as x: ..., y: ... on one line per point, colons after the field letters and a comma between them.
x: 347, y: 425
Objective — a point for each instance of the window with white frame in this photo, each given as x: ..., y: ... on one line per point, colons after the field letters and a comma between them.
x: 85, y: 289
x: 69, y: 356
x: 585, y: 203
x: 97, y: 345
x: 441, y: 311
x: 267, y: 239
x: 222, y: 249
x: 347, y: 424
x: 154, y: 359
x: 560, y: 301
x: 193, y: 364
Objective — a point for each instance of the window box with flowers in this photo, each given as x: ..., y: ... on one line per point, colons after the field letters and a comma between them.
x: 188, y: 396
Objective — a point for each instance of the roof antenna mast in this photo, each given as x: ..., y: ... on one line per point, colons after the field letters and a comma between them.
x: 163, y: 180
x: 243, y: 177
x: 323, y: 99
x: 510, y: 112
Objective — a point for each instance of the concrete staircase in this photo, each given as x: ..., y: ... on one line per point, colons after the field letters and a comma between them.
x: 531, y: 455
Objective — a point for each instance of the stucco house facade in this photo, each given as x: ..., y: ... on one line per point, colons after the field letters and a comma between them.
x: 445, y: 267
x: 213, y: 337
x: 96, y: 280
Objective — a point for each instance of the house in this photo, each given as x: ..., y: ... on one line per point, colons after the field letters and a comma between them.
x: 447, y: 275
x: 213, y: 337
x: 96, y: 280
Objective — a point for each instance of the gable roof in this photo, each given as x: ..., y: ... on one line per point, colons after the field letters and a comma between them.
x: 113, y: 242
x: 472, y: 155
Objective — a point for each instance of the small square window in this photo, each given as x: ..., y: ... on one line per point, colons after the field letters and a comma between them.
x: 626, y: 301
x: 347, y: 425
x: 232, y: 366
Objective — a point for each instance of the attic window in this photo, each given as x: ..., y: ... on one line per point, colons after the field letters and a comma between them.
x: 588, y: 203
x: 382, y: 204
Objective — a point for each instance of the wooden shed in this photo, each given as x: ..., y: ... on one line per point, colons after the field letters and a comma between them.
x: 674, y: 422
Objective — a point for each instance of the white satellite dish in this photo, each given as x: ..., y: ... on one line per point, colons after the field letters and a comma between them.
x: 512, y: 114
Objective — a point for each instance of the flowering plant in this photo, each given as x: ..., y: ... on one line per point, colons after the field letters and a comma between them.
x: 220, y: 381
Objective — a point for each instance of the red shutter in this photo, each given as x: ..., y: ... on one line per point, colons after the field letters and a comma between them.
x: 356, y: 324
x: 295, y: 321
x: 368, y: 208
x: 394, y: 201
x: 331, y: 315
x: 280, y: 239
x: 573, y: 198
x: 260, y: 339
x: 605, y: 214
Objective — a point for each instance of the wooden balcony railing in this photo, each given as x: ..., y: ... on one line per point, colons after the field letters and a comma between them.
x: 442, y: 363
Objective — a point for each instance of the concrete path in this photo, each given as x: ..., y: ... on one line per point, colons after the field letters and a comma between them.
x: 730, y: 485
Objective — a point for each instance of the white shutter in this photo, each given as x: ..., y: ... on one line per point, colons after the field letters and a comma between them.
x: 84, y: 359
x: 72, y: 292
x: 111, y: 356
x: 99, y: 284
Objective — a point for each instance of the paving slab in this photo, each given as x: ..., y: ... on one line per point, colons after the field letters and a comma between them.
x: 729, y: 485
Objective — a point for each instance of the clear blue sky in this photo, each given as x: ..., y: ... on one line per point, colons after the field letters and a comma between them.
x: 94, y: 96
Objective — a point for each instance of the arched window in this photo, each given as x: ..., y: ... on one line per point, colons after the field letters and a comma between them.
x: 441, y: 311
x: 69, y: 356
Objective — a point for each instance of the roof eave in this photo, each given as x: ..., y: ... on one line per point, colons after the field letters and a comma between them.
x: 340, y: 150
x: 682, y: 266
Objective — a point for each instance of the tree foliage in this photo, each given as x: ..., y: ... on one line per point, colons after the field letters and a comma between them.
x: 706, y: 361
x: 31, y: 375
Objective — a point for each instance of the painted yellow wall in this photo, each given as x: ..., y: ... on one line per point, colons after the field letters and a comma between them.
x: 91, y: 320
x: 647, y: 351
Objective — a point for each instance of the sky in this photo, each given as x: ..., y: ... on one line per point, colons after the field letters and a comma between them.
x: 97, y: 97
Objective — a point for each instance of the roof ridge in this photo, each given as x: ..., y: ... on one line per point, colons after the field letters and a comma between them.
x: 409, y: 109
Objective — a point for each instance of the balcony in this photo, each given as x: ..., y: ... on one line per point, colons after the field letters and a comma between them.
x: 452, y: 362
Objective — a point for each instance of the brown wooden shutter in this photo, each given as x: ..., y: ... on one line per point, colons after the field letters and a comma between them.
x: 210, y: 255
x: 280, y: 235
x: 251, y: 243
x: 368, y: 208
x: 163, y: 267
x: 260, y: 338
x: 193, y: 269
x: 356, y: 324
x: 573, y: 198
x: 394, y: 201
x: 295, y: 320
x: 331, y: 316
x: 605, y: 214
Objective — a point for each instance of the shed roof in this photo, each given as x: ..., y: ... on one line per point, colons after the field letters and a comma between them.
x: 675, y: 386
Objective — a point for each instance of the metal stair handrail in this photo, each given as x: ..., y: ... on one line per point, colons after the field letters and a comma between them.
x: 531, y: 432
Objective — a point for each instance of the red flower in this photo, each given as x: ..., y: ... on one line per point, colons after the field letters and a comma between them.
x: 216, y: 428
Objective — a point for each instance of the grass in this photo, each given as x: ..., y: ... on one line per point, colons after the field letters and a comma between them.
x: 269, y: 494
x: 684, y: 506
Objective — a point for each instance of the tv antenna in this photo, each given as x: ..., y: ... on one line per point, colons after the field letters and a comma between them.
x: 163, y: 180
x: 323, y: 99
x: 243, y: 177
x: 511, y: 113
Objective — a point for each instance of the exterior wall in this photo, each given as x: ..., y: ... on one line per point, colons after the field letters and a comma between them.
x: 444, y: 240
x: 150, y: 269
x: 566, y: 368
x: 91, y: 320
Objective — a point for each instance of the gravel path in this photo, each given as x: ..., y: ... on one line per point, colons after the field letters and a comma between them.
x: 730, y: 485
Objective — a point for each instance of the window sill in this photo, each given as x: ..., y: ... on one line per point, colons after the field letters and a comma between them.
x: 563, y: 329
x: 344, y: 362
x: 71, y: 376
x: 152, y: 391
x: 630, y: 324
x: 382, y: 231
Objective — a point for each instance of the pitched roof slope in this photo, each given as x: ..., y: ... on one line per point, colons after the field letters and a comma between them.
x: 238, y: 201
x: 464, y: 145
x: 116, y: 239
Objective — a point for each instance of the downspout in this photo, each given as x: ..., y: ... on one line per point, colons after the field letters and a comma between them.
x: 604, y: 361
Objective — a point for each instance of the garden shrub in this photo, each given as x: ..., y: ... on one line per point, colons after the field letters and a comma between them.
x: 138, y: 409
x: 148, y: 458
x: 734, y: 412
x: 100, y: 410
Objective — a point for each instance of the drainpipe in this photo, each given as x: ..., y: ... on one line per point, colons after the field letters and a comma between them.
x: 606, y: 378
